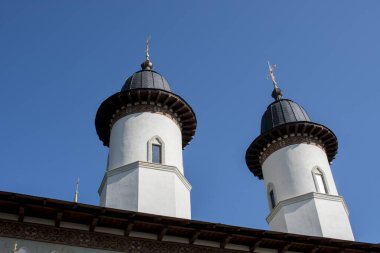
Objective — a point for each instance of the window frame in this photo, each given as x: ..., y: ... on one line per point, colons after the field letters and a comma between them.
x: 316, y: 172
x: 156, y: 140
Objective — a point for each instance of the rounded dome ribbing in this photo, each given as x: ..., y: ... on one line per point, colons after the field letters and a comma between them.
x: 281, y: 112
x: 146, y: 79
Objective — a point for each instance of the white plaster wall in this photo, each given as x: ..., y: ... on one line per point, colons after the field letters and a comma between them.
x: 121, y: 191
x: 163, y: 193
x: 130, y: 135
x: 278, y: 222
x: 26, y: 246
x: 147, y: 188
x: 334, y: 219
x: 157, y: 192
x: 315, y: 217
x: 302, y: 218
x: 182, y: 199
x: 289, y: 170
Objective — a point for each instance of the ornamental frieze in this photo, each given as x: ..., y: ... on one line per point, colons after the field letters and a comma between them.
x: 124, y: 111
x: 284, y: 142
x: 95, y: 240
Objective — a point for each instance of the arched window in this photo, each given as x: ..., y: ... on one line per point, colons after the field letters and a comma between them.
x: 156, y: 150
x: 271, y: 196
x: 320, y: 181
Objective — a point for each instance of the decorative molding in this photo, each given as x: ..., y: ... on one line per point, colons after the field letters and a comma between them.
x: 288, y: 134
x: 324, y: 179
x: 138, y: 108
x: 145, y: 165
x: 145, y: 100
x: 150, y: 148
x: 287, y: 141
x: 307, y: 196
x: 95, y: 240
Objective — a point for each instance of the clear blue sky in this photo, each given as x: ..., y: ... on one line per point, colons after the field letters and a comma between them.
x: 60, y: 59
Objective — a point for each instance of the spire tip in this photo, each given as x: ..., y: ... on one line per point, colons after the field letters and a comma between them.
x: 147, y: 64
x: 277, y: 92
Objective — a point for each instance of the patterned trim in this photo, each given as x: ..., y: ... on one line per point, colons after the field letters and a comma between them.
x: 284, y: 142
x: 144, y: 108
x: 78, y: 238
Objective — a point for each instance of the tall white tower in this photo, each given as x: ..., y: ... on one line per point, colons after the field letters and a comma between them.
x: 293, y: 155
x: 146, y: 126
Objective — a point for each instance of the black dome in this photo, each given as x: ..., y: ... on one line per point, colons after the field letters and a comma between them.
x: 281, y: 112
x: 146, y: 79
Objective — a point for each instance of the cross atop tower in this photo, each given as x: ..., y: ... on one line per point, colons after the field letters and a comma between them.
x: 277, y: 92
x: 147, y: 48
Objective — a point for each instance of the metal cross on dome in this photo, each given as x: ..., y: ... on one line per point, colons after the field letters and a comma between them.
x: 147, y: 48
x: 277, y: 92
x: 271, y: 74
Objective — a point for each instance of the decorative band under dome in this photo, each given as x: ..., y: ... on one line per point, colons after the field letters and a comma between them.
x: 314, y: 133
x: 170, y: 103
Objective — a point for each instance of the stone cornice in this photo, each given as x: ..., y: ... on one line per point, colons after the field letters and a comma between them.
x: 307, y: 196
x: 145, y: 165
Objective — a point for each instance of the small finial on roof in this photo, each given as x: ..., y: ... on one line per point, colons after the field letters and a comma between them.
x: 15, y: 247
x: 277, y: 92
x: 147, y: 64
x: 76, y: 192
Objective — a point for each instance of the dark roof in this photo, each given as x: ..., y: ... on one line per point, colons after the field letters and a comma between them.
x: 59, y: 211
x: 146, y: 79
x: 281, y: 112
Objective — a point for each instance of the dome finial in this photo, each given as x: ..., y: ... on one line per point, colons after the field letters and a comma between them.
x: 277, y: 92
x: 147, y: 64
x: 147, y: 48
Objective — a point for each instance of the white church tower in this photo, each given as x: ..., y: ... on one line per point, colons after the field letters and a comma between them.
x: 293, y: 155
x: 146, y: 127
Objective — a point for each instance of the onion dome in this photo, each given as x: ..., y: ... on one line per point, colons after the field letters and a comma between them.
x: 145, y: 91
x: 285, y: 123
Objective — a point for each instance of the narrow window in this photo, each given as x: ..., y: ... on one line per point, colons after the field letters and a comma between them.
x: 272, y: 199
x: 156, y: 150
x: 156, y: 153
x: 320, y: 181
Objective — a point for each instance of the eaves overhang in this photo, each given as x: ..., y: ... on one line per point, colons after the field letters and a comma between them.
x: 173, y: 104
x: 94, y: 221
x: 312, y: 130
